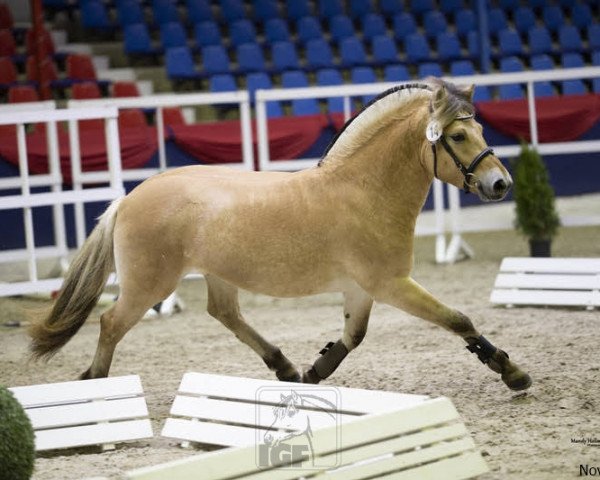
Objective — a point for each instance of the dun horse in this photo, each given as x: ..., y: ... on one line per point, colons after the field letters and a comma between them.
x: 346, y: 225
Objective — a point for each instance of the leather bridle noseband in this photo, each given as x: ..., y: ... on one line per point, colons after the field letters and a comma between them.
x: 466, y: 171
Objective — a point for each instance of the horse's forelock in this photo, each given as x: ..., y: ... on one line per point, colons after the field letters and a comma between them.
x: 449, y: 102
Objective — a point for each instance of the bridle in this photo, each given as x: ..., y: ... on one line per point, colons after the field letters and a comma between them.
x: 466, y: 171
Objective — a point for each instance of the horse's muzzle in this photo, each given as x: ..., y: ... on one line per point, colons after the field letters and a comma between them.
x: 493, y: 185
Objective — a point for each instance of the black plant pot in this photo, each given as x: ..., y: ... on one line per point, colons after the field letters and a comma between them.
x: 540, y: 248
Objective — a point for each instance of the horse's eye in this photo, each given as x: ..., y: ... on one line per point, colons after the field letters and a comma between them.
x: 458, y: 137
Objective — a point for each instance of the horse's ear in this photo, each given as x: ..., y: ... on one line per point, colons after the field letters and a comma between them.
x: 469, y: 91
x: 440, y: 95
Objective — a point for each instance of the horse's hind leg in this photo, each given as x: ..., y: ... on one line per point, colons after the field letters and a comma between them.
x: 223, y: 305
x: 357, y: 308
x: 409, y: 296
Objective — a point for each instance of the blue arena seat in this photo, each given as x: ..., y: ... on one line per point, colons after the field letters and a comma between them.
x: 373, y: 24
x: 384, y: 50
x: 552, y: 17
x: 318, y: 54
x: 581, y: 15
x: 395, y: 73
x: 340, y: 27
x: 232, y: 10
x: 524, y: 19
x: 509, y: 43
x: 429, y: 69
x: 94, y: 15
x: 593, y: 36
x: 540, y: 41
x: 296, y: 9
x: 222, y: 82
x: 514, y: 90
x: 464, y: 22
x: 276, y: 30
x: 542, y: 62
x: 572, y: 60
x: 466, y: 67
x: 250, y: 58
x: 180, y: 65
x: 363, y: 75
x: 260, y: 80
x: 575, y: 86
x: 164, y: 11
x: 417, y: 48
x: 242, y: 31
x: 448, y: 46
x: 352, y: 52
x: 300, y: 106
x: 357, y: 9
x: 497, y: 21
x: 199, y: 11
x: 331, y: 76
x: 265, y: 10
x: 448, y: 7
x: 284, y: 56
x: 569, y: 39
x: 207, y: 33
x: 434, y: 23
x: 308, y: 28
x: 130, y: 12
x: 215, y: 59
x: 328, y: 8
x: 473, y: 44
x: 390, y: 7
x: 172, y: 34
x: 509, y: 5
x: 137, y: 41
x: 420, y: 7
x: 403, y: 24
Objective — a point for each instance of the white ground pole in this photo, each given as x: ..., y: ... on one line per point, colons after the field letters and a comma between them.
x: 456, y: 248
x: 56, y: 198
x: 173, y: 303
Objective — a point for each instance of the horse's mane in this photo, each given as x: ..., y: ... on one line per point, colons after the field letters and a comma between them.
x: 443, y: 108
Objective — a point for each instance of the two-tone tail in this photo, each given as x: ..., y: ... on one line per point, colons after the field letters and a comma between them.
x: 80, y: 291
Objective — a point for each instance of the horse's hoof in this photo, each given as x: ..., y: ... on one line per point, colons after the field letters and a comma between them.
x: 517, y: 380
x: 295, y: 378
x: 310, y: 376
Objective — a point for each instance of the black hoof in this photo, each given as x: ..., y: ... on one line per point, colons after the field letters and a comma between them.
x: 518, y: 381
x: 295, y: 378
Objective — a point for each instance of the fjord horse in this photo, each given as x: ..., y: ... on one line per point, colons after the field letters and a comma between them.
x: 346, y: 225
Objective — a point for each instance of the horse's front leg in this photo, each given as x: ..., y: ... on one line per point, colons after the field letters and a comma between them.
x: 357, y: 308
x: 411, y: 297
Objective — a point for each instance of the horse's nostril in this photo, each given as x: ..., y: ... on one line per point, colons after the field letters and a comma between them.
x: 499, y: 186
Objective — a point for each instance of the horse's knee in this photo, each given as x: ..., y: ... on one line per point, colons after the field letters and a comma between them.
x: 354, y: 339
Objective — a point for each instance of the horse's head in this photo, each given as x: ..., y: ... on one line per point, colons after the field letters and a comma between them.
x: 459, y: 154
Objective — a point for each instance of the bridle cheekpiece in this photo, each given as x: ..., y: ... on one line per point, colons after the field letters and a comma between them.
x: 435, y: 132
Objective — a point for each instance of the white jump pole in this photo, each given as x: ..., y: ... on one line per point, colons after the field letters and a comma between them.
x: 440, y: 226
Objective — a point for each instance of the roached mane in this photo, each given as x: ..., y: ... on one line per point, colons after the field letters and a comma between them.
x: 447, y: 102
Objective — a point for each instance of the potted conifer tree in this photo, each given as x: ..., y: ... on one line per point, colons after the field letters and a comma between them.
x: 536, y: 215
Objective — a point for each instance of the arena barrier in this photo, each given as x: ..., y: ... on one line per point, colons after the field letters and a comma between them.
x: 240, y: 98
x: 56, y: 197
x: 446, y: 252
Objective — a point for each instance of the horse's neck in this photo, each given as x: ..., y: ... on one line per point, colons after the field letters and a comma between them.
x: 389, y: 168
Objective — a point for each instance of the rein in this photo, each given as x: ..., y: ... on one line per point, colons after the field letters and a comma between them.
x: 466, y: 171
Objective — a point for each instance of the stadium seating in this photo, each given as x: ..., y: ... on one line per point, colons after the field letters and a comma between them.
x: 328, y: 77
x: 276, y: 30
x: 172, y: 34
x: 296, y: 9
x: 22, y: 94
x: 180, y: 64
x: 164, y: 11
x: 250, y: 58
x: 540, y: 41
x: 352, y: 53
x: 94, y: 15
x: 524, y: 19
x: 510, y: 91
x: 417, y: 48
x: 341, y: 27
x: 318, y: 54
x: 242, y: 31
x: 232, y: 10
x: 358, y: 9
x: 509, y: 43
x: 215, y: 60
x: 395, y: 73
x: 384, y: 50
x: 448, y: 47
x: 138, y: 43
x: 207, y: 33
x: 308, y: 28
x: 569, y: 39
x: 199, y: 11
x: 434, y: 23
x: 130, y: 12
x: 373, y: 25
x: 404, y: 24
x: 363, y: 75
x: 265, y: 10
x: 300, y: 106
x: 464, y: 21
x: 284, y: 56
x: 552, y: 17
x: 260, y: 80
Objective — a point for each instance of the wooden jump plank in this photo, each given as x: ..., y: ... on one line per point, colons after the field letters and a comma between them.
x: 97, y: 434
x: 353, y: 400
x: 366, y: 429
x: 545, y: 297
x: 210, y: 433
x: 550, y: 265
x: 548, y: 281
x: 80, y: 390
x: 467, y: 465
x: 90, y: 412
x: 237, y: 412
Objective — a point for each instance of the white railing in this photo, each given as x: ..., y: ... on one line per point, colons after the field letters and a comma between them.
x: 160, y: 101
x: 56, y: 197
x: 456, y: 246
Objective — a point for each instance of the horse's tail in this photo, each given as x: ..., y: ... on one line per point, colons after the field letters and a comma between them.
x: 80, y: 291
